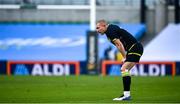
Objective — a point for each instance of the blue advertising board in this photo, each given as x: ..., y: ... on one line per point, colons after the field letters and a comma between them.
x: 3, y: 66
x: 43, y: 68
x: 141, y: 69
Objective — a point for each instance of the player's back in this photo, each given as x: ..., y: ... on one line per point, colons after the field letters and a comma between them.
x: 115, y: 32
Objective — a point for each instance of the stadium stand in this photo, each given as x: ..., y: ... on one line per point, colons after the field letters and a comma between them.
x: 79, y: 2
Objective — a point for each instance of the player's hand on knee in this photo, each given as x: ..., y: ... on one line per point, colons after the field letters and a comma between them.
x: 123, y: 60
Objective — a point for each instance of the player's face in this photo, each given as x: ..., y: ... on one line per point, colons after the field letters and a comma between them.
x: 100, y: 28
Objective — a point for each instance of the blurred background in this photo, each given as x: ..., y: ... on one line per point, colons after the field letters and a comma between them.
x: 57, y: 37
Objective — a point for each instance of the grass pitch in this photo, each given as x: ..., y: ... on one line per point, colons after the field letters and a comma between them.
x: 87, y: 89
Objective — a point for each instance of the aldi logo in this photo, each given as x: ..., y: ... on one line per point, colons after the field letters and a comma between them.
x: 140, y: 69
x: 42, y: 68
x: 21, y: 69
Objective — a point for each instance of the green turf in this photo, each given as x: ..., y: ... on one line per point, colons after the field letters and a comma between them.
x: 87, y: 89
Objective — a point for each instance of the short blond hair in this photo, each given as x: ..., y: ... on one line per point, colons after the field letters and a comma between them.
x: 102, y: 21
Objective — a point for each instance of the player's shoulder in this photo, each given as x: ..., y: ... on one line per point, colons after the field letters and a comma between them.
x: 113, y: 26
x: 112, y: 29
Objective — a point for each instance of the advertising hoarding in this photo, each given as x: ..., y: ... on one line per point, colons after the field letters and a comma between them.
x: 46, y: 68
x: 141, y: 69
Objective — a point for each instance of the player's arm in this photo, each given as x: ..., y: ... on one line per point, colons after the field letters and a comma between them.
x: 120, y: 47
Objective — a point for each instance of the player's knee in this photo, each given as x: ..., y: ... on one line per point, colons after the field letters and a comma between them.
x: 123, y: 69
x: 125, y: 72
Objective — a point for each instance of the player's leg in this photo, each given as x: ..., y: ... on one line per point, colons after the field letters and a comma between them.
x: 125, y: 72
x: 132, y: 57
